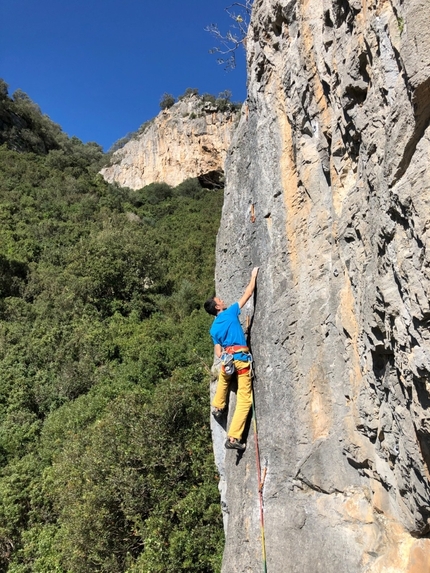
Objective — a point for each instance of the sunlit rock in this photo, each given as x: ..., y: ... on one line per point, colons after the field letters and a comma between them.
x: 328, y: 190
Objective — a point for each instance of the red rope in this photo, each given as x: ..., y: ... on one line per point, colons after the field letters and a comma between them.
x: 260, y: 481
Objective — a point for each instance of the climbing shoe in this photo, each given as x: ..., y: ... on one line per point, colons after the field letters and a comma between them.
x: 218, y: 414
x: 234, y: 444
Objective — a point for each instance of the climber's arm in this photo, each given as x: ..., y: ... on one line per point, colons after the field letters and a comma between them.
x: 249, y: 289
x: 218, y: 350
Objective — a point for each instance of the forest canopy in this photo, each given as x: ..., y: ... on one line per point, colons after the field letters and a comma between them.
x: 105, y: 453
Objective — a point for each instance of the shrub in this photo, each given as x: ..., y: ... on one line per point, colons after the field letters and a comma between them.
x: 189, y: 188
x: 3, y: 90
x: 167, y: 100
x: 189, y: 92
x: 123, y: 141
x: 154, y: 193
x: 208, y: 98
x: 103, y: 359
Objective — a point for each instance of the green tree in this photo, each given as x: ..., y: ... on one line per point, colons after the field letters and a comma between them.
x: 189, y: 92
x: 154, y: 193
x: 105, y: 455
x: 167, y: 101
x: 4, y: 90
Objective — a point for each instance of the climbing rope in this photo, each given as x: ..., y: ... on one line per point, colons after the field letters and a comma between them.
x: 260, y: 481
x: 260, y: 478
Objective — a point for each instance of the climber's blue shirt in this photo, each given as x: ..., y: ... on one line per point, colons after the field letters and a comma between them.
x: 226, y: 329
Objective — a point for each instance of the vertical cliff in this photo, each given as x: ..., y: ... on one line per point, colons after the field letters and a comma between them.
x: 328, y: 190
x: 189, y: 139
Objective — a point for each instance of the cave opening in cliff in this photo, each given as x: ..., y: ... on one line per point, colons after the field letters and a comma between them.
x: 212, y: 180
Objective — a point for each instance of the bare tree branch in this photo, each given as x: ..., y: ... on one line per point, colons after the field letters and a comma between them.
x: 235, y: 37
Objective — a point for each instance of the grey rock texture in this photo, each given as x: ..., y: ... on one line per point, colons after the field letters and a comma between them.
x: 328, y: 190
x: 190, y: 139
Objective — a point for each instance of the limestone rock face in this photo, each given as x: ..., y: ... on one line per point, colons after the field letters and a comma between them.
x: 328, y: 190
x: 190, y: 139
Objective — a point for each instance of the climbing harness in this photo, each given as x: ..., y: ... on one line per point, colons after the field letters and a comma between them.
x: 236, y: 349
x: 243, y: 370
x: 260, y: 477
x: 228, y: 363
x: 227, y: 359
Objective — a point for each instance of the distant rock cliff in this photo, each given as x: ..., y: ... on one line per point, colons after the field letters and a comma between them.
x: 328, y: 190
x: 190, y: 139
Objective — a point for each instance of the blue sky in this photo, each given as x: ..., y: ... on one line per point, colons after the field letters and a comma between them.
x: 100, y: 67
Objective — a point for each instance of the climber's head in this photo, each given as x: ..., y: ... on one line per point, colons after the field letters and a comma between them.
x: 214, y: 305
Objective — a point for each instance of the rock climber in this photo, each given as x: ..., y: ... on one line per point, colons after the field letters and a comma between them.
x: 230, y: 346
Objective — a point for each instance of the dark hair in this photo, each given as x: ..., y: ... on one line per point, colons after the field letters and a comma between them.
x: 210, y: 306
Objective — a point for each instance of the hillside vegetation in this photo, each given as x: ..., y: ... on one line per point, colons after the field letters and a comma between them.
x: 105, y: 454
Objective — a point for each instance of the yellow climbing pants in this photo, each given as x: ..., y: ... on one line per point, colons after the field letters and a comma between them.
x: 244, y: 397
